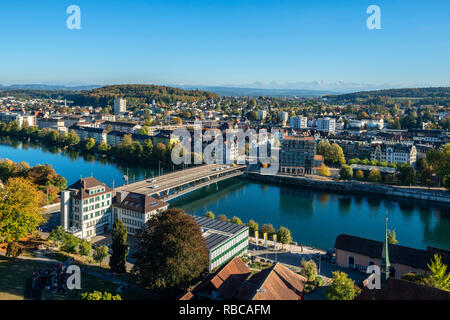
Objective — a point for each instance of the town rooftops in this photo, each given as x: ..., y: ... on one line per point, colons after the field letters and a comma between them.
x: 416, y: 258
x: 234, y: 281
x: 274, y: 283
x: 298, y: 138
x: 226, y: 281
x: 139, y: 202
x: 216, y: 232
x: 83, y: 186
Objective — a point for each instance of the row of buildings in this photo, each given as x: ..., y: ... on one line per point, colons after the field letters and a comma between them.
x: 89, y: 208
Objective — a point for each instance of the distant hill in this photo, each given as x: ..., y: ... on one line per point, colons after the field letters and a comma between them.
x: 46, y: 87
x: 432, y: 95
x: 256, y: 92
x: 104, y: 96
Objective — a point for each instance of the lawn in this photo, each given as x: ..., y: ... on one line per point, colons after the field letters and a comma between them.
x: 13, y: 275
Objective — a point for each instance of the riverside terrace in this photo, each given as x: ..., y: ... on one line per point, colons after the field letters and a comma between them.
x: 171, y: 185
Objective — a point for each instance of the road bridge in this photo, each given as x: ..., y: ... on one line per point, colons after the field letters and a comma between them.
x: 172, y: 185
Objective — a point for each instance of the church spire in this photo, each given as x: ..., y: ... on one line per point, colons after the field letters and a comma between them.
x: 385, y: 264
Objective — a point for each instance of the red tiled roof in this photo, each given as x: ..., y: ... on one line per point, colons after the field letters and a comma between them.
x: 274, y: 283
x: 297, y: 138
x: 318, y: 157
x: 228, y: 279
x: 187, y: 296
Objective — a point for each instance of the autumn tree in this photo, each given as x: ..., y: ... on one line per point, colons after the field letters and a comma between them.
x: 374, y: 175
x: 359, y: 175
x: 209, y: 214
x: 236, y: 220
x: 222, y: 217
x: 392, y: 237
x: 171, y: 250
x: 266, y: 228
x: 20, y: 213
x: 324, y: 171
x: 119, y: 247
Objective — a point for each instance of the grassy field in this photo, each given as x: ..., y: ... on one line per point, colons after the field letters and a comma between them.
x: 13, y: 275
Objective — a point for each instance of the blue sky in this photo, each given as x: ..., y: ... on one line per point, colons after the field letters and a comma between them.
x: 220, y: 42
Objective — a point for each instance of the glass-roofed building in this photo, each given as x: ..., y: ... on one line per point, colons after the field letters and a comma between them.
x: 224, y: 240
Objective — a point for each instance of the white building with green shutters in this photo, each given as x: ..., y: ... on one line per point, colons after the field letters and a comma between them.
x: 224, y: 240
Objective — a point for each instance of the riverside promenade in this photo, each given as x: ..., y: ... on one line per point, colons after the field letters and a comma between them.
x: 353, y: 186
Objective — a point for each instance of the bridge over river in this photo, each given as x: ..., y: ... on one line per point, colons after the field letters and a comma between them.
x: 172, y: 185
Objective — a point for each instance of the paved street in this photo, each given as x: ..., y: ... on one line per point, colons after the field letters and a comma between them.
x: 294, y: 257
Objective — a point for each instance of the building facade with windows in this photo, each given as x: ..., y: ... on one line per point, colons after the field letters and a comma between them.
x: 120, y: 105
x: 297, y: 155
x: 298, y: 122
x: 135, y: 209
x: 326, y: 124
x: 224, y: 240
x: 399, y: 153
x: 86, y: 208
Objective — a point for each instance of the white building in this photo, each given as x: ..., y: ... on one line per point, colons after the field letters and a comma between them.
x: 224, y: 240
x: 120, y: 105
x: 299, y: 122
x: 399, y: 153
x: 284, y: 116
x: 7, y: 117
x: 86, y: 208
x: 135, y: 209
x: 326, y: 124
x: 262, y: 114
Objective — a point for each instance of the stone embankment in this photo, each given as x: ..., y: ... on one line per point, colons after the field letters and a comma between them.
x: 356, y: 187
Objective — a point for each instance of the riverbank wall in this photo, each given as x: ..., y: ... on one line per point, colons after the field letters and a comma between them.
x: 355, y: 187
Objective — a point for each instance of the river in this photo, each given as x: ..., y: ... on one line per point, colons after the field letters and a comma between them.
x: 315, y: 218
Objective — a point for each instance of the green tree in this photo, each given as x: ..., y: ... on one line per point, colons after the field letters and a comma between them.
x: 85, y: 248
x: 308, y: 269
x: 100, y: 254
x: 119, y: 247
x: 252, y: 227
x: 171, y: 250
x: 284, y: 235
x: 342, y: 287
x: 439, y: 277
x: 407, y: 174
x: 88, y: 144
x: 143, y: 130
x: 346, y: 172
